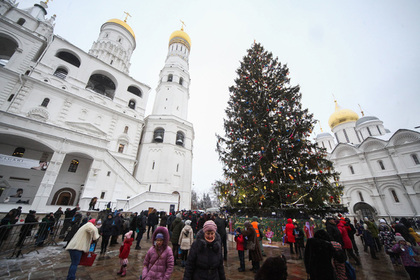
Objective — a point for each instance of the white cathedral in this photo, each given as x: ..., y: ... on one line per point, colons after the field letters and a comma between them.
x: 380, y: 170
x: 73, y: 124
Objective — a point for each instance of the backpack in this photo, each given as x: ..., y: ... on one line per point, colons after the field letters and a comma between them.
x: 350, y: 271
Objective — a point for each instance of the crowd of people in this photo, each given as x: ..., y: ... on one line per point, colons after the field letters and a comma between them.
x: 198, y: 242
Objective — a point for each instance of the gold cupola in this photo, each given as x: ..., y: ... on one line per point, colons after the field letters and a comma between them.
x: 179, y: 36
x: 123, y: 24
x: 341, y: 116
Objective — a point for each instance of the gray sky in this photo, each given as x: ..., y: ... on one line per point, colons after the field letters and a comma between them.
x: 364, y: 52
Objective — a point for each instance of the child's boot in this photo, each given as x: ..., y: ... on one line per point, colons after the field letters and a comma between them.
x: 124, y: 272
x: 121, y: 270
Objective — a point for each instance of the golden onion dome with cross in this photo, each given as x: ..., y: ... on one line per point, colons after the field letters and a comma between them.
x: 179, y: 36
x: 341, y: 116
x: 123, y: 24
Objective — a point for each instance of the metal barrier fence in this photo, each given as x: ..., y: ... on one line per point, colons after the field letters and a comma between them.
x: 19, y: 239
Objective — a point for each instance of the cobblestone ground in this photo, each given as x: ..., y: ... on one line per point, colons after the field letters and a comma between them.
x: 52, y: 262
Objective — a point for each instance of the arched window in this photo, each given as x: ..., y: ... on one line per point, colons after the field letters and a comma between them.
x: 180, y: 138
x: 19, y: 151
x: 361, y: 196
x: 170, y: 77
x: 126, y: 129
x: 11, y: 97
x: 121, y: 148
x: 61, y: 73
x: 21, y: 21
x: 132, y: 104
x: 381, y: 164
x: 181, y: 80
x: 8, y: 48
x: 415, y: 159
x: 394, y: 195
x: 73, y: 165
x: 45, y: 102
x: 134, y: 90
x: 69, y: 58
x: 351, y: 169
x: 158, y: 135
x: 101, y: 84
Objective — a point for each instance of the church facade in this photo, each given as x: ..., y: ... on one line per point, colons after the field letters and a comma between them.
x: 380, y: 170
x: 73, y: 124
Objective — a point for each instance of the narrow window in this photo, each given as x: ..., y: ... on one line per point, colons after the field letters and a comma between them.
x: 11, y: 97
x: 108, y: 173
x: 121, y: 148
x: 379, y: 130
x: 415, y: 158
x: 370, y: 133
x: 351, y: 169
x: 345, y: 135
x: 19, y: 151
x: 357, y: 134
x: 323, y: 145
x: 45, y: 102
x: 132, y: 104
x: 102, y: 195
x: 153, y: 165
x: 361, y: 196
x: 119, y: 40
x: 181, y: 80
x: 73, y: 166
x: 21, y: 21
x: 381, y: 164
x: 329, y: 142
x: 170, y: 77
x: 179, y: 138
x: 177, y: 167
x: 126, y: 129
x: 394, y: 195
x: 112, y: 61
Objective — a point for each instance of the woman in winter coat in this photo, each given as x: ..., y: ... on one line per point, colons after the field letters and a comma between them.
x: 176, y: 228
x: 159, y: 261
x: 290, y: 234
x: 205, y: 261
x: 318, y: 255
x: 106, y: 231
x: 255, y: 255
x: 347, y: 245
x: 186, y: 238
x: 81, y: 243
x: 124, y: 252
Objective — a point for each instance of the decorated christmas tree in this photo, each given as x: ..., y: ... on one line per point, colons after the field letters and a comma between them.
x: 268, y: 159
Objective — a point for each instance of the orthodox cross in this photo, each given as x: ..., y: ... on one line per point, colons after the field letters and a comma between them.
x: 126, y: 16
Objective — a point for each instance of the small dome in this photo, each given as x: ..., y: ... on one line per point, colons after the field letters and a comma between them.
x: 123, y: 24
x: 180, y: 34
x: 323, y: 135
x: 366, y: 119
x: 341, y: 116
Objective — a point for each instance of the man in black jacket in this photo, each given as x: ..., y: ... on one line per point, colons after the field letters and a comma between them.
x: 221, y: 230
x: 140, y: 228
x: 333, y: 230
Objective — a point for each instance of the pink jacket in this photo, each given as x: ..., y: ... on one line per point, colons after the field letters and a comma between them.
x: 155, y: 267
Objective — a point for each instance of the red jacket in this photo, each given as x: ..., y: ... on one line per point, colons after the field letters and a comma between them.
x: 289, y: 231
x: 345, y: 235
x: 240, y: 242
x: 125, y: 248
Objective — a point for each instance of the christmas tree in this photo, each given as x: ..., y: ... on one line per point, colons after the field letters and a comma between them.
x: 268, y: 159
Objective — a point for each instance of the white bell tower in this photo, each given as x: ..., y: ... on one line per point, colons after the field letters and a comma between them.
x: 165, y: 153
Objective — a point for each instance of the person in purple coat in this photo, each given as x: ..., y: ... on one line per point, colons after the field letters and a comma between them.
x: 159, y: 261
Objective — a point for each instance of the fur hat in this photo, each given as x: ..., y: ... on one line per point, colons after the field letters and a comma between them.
x: 179, y: 215
x: 209, y: 225
x: 399, y: 238
x: 188, y: 222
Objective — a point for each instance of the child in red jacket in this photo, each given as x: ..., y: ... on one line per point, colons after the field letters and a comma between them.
x: 240, y: 242
x: 124, y: 252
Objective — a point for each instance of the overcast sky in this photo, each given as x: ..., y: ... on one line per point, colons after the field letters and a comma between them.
x: 363, y: 52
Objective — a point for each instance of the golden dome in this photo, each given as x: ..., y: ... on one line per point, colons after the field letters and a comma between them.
x: 123, y: 24
x: 341, y: 116
x: 182, y: 35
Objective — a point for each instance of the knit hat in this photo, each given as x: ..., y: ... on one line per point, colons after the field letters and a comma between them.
x: 209, y: 226
x: 128, y: 234
x: 188, y: 222
x: 99, y: 222
x: 92, y: 221
x: 179, y: 215
x: 159, y: 236
x: 399, y: 238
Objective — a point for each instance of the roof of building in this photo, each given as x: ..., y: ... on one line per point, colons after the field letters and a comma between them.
x: 123, y: 24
